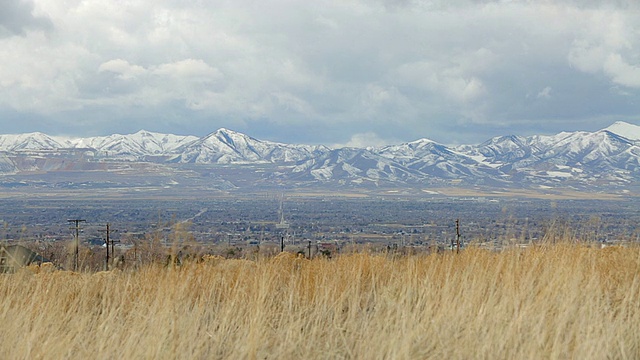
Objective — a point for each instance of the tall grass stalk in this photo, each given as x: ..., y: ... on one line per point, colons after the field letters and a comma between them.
x: 555, y: 301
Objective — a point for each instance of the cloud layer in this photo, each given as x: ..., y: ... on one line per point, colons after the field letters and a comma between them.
x: 323, y: 72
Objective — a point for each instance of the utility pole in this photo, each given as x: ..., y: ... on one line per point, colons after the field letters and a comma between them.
x: 113, y: 250
x: 77, y: 241
x: 309, y: 249
x: 457, y: 236
x: 107, y: 243
x: 282, y: 243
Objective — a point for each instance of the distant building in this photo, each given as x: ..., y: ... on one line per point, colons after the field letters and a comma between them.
x: 13, y: 257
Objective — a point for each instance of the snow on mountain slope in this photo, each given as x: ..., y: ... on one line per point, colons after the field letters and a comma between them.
x: 624, y: 129
x: 576, y: 156
x: 226, y: 146
x: 584, y: 147
x: 30, y: 141
x: 432, y: 159
x: 6, y: 165
x: 355, y: 165
x: 135, y: 145
x: 410, y: 151
x: 570, y: 146
x: 499, y: 150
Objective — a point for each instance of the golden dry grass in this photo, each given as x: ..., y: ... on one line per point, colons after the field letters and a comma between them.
x: 560, y: 301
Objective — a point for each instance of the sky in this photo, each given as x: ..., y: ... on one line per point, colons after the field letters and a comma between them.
x: 348, y: 72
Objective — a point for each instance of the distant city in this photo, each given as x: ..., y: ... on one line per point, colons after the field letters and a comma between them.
x: 338, y: 221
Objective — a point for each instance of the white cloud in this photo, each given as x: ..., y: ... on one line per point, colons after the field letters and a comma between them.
x: 190, y: 69
x: 608, y: 61
x: 544, y: 93
x: 290, y: 102
x: 331, y: 69
x: 365, y: 140
x: 622, y: 72
x: 607, y: 44
x: 375, y: 96
x: 587, y: 57
x: 122, y: 68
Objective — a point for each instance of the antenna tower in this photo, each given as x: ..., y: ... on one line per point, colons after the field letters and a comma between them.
x: 282, y: 224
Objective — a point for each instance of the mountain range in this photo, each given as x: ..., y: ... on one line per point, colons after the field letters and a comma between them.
x: 602, y: 160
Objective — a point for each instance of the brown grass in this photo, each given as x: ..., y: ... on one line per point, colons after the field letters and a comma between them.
x: 559, y: 301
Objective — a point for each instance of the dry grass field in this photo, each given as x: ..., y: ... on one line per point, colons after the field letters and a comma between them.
x: 556, y: 301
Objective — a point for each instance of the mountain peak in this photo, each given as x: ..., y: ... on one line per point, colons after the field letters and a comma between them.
x: 223, y: 130
x: 624, y: 129
x: 28, y: 141
x: 422, y: 141
x: 144, y: 132
x: 226, y: 136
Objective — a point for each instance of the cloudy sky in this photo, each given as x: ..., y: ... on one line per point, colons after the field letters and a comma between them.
x: 357, y: 72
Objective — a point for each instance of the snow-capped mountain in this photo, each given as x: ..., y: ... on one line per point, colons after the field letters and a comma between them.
x: 133, y: 146
x: 588, y: 160
x: 499, y: 151
x: 355, y: 166
x: 31, y: 141
x: 568, y: 155
x: 428, y: 157
x: 621, y: 128
x: 226, y: 147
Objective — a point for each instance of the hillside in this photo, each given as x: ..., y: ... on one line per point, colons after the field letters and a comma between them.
x: 551, y: 301
x: 606, y: 160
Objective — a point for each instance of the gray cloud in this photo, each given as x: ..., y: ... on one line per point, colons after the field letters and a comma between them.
x: 332, y: 72
x: 16, y: 17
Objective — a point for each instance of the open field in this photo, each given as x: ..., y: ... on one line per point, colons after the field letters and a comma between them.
x: 547, y: 301
x: 161, y: 192
x: 544, y: 194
